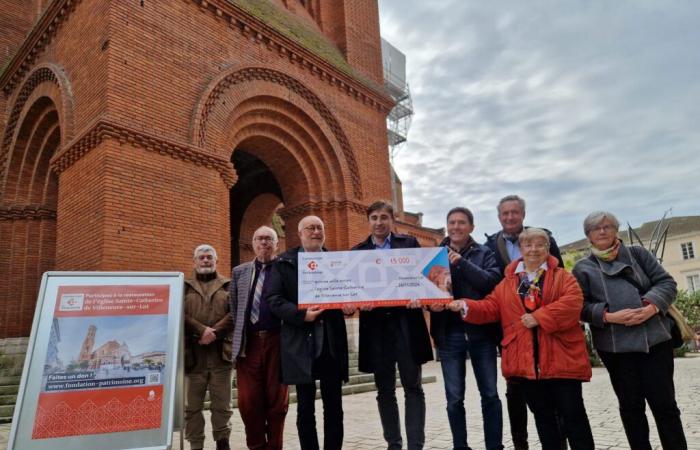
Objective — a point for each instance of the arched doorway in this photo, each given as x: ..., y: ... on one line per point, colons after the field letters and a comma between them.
x: 28, y: 212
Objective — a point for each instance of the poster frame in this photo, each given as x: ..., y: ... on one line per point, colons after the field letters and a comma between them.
x: 173, y: 379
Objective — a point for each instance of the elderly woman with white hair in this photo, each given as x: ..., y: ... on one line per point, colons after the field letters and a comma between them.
x: 626, y: 295
x: 538, y: 305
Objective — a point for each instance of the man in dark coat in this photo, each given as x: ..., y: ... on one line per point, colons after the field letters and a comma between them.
x: 391, y: 337
x: 504, y: 244
x: 314, y: 344
x: 474, y: 272
x: 262, y: 398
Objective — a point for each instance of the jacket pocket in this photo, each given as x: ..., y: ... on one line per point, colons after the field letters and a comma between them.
x: 509, y: 353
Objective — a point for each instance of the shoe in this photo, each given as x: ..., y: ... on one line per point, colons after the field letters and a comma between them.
x: 222, y: 444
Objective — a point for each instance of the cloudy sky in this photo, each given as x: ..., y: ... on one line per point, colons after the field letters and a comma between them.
x: 574, y: 105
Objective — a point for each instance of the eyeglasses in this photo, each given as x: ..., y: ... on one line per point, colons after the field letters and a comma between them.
x: 604, y: 228
x: 263, y: 238
x: 312, y: 228
x: 535, y: 246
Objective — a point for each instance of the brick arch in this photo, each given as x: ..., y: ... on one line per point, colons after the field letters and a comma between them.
x: 45, y: 80
x: 230, y: 89
x: 28, y: 211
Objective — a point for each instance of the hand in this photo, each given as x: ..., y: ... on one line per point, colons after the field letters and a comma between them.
x: 453, y: 256
x: 366, y: 308
x: 456, y: 305
x: 529, y: 321
x: 349, y: 309
x: 621, y: 317
x: 312, y: 313
x: 641, y: 315
x: 436, y: 307
x: 208, y: 336
x: 413, y: 304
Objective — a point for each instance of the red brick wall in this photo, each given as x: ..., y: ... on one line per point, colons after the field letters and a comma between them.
x: 152, y: 119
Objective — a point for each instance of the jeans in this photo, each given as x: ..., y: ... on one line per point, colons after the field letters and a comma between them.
x: 563, y: 399
x: 482, y: 352
x: 637, y: 377
x: 395, y: 352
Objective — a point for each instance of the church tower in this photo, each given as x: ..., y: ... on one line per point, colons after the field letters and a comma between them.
x: 88, y: 344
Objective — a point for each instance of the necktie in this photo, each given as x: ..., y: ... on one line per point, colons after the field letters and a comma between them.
x: 255, y: 307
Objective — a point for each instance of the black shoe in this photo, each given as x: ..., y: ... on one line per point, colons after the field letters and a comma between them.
x: 222, y: 444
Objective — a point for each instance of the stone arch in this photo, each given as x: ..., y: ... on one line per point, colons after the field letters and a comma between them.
x: 35, y: 133
x: 231, y: 89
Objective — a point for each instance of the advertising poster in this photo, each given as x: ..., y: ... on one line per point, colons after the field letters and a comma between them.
x: 103, y: 371
x: 374, y: 277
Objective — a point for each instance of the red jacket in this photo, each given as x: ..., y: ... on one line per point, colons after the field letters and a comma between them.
x: 562, y: 346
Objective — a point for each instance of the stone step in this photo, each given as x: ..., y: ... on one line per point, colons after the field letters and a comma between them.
x: 8, y: 399
x: 9, y: 390
x: 6, y: 412
x: 11, y: 372
x: 10, y: 380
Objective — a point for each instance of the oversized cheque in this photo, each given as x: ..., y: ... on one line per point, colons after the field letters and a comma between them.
x: 374, y: 277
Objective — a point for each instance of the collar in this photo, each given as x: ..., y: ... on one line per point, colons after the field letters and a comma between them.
x: 520, y: 268
x: 259, y: 265
x: 386, y: 244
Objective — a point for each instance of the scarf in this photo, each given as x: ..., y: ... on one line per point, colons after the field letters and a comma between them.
x: 609, y: 254
x: 532, y: 296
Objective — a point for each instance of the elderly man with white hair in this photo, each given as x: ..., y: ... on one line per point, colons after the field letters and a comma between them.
x: 262, y: 398
x: 314, y: 344
x: 207, y: 350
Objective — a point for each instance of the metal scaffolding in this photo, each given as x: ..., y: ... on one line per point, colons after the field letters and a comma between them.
x: 399, y: 119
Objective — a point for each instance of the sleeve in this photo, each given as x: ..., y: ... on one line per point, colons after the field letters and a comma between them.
x: 483, y: 277
x: 488, y: 309
x: 278, y: 298
x: 564, y: 312
x: 233, y: 295
x: 663, y: 287
x: 592, y: 312
x: 224, y: 325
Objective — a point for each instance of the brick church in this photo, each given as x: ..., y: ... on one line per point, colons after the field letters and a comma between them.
x: 134, y: 130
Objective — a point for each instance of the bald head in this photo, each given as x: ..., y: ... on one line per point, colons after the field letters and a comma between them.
x: 312, y: 233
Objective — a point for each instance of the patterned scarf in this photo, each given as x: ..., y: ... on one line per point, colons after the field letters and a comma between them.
x: 532, y: 295
x: 609, y: 254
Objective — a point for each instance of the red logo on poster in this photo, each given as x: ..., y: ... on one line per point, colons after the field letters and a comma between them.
x: 312, y: 265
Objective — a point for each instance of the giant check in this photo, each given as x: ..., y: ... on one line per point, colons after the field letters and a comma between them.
x: 374, y: 277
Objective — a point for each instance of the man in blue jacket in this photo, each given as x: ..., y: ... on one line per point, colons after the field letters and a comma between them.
x: 474, y: 273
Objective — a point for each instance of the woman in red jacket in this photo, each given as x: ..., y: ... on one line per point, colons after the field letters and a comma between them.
x: 538, y: 305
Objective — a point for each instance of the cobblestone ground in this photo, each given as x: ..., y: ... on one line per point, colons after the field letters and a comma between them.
x: 363, y: 430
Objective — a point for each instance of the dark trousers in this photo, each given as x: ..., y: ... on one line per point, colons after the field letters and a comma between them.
x: 327, y: 371
x: 640, y: 377
x: 396, y: 352
x: 548, y: 399
x: 262, y: 399
x: 517, y: 413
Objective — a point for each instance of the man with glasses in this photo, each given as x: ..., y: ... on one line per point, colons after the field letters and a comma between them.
x: 314, y: 344
x: 207, y: 350
x: 505, y: 246
x: 262, y: 398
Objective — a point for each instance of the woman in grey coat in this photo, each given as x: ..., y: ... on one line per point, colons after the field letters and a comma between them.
x: 626, y: 296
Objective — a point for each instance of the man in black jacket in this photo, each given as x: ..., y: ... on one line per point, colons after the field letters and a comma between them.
x: 313, y: 344
x: 391, y: 337
x: 504, y: 244
x: 474, y: 273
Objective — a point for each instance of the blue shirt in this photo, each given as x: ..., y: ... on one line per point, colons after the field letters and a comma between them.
x: 385, y: 246
x: 513, y: 250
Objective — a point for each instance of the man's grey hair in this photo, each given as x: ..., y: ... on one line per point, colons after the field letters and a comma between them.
x: 511, y: 198
x: 300, y: 227
x: 530, y: 234
x: 205, y: 248
x: 270, y: 229
x: 593, y: 219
